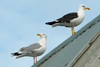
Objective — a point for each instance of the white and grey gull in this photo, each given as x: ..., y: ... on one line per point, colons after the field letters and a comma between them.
x: 71, y: 19
x: 33, y: 50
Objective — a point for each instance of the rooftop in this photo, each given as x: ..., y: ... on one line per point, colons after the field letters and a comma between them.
x: 64, y: 54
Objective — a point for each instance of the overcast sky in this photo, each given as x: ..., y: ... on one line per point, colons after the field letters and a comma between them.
x: 21, y: 20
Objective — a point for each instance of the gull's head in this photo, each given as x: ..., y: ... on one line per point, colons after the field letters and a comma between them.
x: 42, y: 35
x: 82, y: 6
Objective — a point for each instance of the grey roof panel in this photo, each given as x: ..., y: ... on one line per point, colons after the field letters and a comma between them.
x: 62, y: 55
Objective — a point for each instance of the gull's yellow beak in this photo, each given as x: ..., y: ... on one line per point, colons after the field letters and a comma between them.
x: 87, y: 8
x: 39, y: 34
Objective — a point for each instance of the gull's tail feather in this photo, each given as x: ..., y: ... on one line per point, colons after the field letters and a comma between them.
x: 51, y: 23
x: 20, y: 56
x: 15, y: 54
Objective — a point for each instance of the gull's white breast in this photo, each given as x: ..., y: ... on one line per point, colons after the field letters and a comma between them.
x: 79, y: 19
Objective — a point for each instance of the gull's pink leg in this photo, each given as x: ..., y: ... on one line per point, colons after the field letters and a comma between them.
x: 34, y: 59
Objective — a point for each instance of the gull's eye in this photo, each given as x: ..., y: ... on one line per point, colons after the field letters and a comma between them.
x: 83, y: 6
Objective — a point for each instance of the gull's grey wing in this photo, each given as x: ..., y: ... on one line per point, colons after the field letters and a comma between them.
x: 22, y: 49
x: 31, y: 48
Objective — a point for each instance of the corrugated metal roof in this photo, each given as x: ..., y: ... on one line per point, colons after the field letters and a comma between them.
x: 91, y: 56
x: 62, y: 55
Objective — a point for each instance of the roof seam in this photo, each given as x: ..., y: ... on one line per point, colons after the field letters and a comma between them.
x: 98, y: 20
x: 95, y: 37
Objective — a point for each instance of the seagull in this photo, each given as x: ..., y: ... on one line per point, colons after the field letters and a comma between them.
x: 71, y: 20
x: 33, y: 50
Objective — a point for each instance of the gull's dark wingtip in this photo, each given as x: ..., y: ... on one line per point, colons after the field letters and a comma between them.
x: 51, y: 23
x: 15, y: 54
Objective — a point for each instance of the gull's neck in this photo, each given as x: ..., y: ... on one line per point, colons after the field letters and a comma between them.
x: 42, y: 41
x: 81, y: 12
